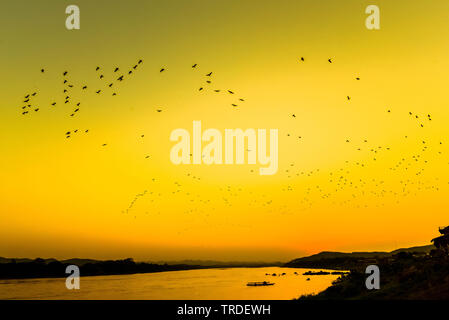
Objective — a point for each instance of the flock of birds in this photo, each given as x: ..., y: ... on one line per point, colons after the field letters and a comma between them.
x: 345, y: 185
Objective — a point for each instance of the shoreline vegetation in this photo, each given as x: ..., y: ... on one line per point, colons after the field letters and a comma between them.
x: 23, y: 268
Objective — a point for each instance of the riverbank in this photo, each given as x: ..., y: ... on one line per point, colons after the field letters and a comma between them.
x: 404, y: 276
x: 52, y: 268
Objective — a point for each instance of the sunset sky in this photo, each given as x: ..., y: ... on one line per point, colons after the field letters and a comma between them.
x: 73, y: 197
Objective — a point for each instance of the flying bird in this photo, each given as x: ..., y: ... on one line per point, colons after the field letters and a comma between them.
x: 161, y: 70
x: 330, y: 60
x: 194, y: 66
x: 209, y: 74
x: 116, y: 69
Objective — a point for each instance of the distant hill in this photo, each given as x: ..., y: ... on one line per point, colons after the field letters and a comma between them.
x: 217, y: 264
x: 342, y: 260
x: 77, y: 261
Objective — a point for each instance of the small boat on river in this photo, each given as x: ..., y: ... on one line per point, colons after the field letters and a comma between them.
x: 257, y: 284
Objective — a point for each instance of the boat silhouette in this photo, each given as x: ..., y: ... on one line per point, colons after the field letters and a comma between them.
x: 257, y: 284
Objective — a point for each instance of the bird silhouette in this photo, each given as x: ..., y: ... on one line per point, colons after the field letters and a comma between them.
x: 209, y: 74
x: 162, y: 70
x: 116, y: 69
x: 330, y: 60
x: 194, y: 66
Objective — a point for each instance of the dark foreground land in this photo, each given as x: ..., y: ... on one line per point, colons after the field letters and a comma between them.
x: 404, y: 275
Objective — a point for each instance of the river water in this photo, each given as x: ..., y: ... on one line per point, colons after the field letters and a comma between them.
x: 204, y: 284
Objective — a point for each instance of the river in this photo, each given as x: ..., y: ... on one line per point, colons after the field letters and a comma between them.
x: 203, y: 284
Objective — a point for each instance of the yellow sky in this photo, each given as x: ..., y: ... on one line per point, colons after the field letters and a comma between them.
x: 72, y: 197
